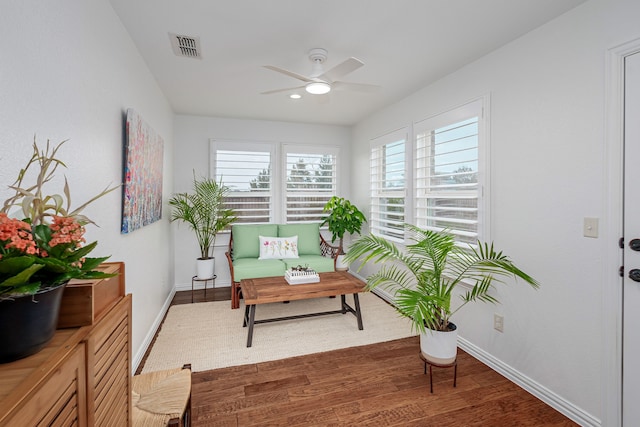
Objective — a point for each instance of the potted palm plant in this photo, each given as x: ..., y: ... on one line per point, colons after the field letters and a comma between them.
x: 423, y: 277
x: 344, y: 217
x: 205, y: 212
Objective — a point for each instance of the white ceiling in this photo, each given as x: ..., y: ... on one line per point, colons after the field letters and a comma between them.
x: 404, y: 44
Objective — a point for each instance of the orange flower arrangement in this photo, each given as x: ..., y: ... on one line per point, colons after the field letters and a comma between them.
x: 46, y: 248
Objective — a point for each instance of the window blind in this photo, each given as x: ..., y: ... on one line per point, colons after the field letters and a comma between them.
x: 446, y: 174
x: 276, y: 182
x: 310, y: 183
x: 388, y: 185
x: 248, y: 174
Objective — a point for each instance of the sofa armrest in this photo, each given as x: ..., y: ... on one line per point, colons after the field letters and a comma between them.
x: 228, y: 255
x: 329, y: 250
x: 235, y: 289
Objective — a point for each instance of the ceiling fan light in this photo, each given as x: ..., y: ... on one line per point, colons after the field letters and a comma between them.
x: 318, y: 88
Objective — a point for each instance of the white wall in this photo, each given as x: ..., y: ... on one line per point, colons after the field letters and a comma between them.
x: 68, y: 70
x: 548, y: 172
x: 192, y: 136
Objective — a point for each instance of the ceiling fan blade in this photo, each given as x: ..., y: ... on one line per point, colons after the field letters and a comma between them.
x: 342, y: 69
x: 269, y: 92
x: 359, y: 87
x: 289, y: 73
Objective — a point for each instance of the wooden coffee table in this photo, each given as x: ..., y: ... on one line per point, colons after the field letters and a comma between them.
x: 275, y: 289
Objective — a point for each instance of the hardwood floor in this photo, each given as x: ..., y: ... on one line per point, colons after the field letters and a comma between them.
x: 375, y: 385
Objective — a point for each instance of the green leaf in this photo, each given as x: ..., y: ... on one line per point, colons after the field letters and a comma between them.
x: 81, y: 252
x: 22, y: 277
x: 203, y: 211
x: 92, y: 263
x: 14, y: 265
x: 28, y: 289
x: 344, y: 217
x: 423, y: 275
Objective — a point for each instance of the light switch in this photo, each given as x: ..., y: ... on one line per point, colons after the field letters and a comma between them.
x: 591, y: 227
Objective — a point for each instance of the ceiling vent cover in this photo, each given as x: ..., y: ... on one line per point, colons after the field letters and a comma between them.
x: 185, y: 46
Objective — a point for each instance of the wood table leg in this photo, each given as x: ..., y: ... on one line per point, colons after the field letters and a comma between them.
x: 245, y: 319
x: 252, y: 317
x: 356, y: 301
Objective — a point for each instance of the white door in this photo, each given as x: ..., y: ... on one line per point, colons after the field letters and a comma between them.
x: 631, y: 281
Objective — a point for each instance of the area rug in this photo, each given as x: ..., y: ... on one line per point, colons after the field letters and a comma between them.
x: 210, y: 335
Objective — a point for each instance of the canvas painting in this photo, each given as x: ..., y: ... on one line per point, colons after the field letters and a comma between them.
x: 143, y: 159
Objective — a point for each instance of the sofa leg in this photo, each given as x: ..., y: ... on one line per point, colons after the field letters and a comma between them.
x: 235, y: 295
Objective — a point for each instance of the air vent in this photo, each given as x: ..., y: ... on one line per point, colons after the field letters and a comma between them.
x: 185, y: 46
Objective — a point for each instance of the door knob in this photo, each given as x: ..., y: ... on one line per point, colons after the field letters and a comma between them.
x: 635, y: 245
x: 634, y: 275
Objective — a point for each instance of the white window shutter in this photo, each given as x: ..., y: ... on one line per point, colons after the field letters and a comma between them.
x: 446, y: 163
x: 249, y: 175
x: 388, y: 185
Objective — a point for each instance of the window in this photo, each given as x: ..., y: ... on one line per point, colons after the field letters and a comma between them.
x: 447, y: 186
x: 388, y: 185
x: 248, y: 174
x: 272, y: 182
x: 310, y: 183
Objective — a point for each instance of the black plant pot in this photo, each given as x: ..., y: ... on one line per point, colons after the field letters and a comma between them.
x: 28, y: 323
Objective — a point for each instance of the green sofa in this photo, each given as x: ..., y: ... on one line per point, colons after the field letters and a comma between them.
x: 244, y: 252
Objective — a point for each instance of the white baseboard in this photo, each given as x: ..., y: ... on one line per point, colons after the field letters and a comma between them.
x: 152, y: 332
x: 541, y: 392
x: 550, y: 398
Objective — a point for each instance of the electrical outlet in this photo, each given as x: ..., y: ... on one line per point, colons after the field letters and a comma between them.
x: 498, y: 322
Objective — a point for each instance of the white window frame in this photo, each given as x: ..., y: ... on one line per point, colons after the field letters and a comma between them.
x: 477, y: 108
x: 377, y: 224
x: 287, y: 149
x: 237, y: 146
x: 278, y: 152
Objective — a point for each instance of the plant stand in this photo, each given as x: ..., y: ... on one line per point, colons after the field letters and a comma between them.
x: 431, y: 364
x: 197, y: 279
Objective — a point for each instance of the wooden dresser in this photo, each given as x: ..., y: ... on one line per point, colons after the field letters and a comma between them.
x: 82, y: 378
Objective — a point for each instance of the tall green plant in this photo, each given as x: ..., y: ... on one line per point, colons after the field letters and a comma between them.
x: 204, y: 210
x: 422, y: 277
x: 344, y: 217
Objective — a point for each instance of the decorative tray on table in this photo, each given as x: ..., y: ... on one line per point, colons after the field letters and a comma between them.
x: 301, y: 275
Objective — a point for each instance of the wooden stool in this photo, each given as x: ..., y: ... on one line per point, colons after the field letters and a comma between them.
x: 162, y: 398
x: 453, y: 365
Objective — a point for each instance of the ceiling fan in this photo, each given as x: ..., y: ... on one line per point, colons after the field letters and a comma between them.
x: 320, y: 82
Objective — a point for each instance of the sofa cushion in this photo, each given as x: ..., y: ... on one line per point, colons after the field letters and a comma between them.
x: 308, y: 237
x: 246, y: 243
x: 318, y: 263
x: 278, y: 247
x: 251, y: 268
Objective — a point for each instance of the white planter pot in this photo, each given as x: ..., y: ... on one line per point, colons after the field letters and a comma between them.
x: 440, y: 347
x: 206, y: 267
x: 341, y: 265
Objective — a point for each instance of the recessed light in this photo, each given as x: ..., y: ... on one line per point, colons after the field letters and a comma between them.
x: 295, y: 96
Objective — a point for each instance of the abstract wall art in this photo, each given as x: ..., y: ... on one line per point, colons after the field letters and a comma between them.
x: 143, y: 158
